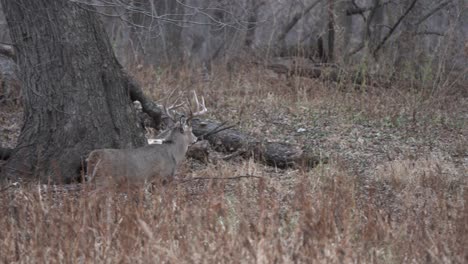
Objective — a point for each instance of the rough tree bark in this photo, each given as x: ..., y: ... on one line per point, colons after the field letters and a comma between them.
x: 75, y: 92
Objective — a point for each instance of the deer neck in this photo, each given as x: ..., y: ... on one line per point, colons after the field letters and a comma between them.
x: 179, y: 148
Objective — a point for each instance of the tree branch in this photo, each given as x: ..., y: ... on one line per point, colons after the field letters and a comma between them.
x: 393, y: 28
x: 296, y: 19
x: 361, y: 10
x: 149, y: 107
x: 433, y: 11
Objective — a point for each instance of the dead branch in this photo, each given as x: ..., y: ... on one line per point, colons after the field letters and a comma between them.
x: 296, y: 19
x: 428, y: 32
x: 433, y: 11
x: 357, y: 6
x: 392, y: 29
x: 238, y: 153
x: 224, y: 178
x: 149, y: 107
x: 356, y: 10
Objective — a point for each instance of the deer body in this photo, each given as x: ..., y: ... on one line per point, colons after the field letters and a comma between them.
x: 149, y: 163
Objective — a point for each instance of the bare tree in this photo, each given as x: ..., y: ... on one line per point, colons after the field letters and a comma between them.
x: 156, y: 28
x: 331, y: 30
x: 254, y: 6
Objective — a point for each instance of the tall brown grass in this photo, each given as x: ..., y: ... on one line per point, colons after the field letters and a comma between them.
x: 408, y: 209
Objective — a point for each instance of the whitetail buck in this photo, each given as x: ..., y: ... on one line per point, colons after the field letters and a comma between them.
x: 149, y: 163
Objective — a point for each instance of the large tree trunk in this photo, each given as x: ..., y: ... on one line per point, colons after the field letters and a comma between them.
x: 75, y: 92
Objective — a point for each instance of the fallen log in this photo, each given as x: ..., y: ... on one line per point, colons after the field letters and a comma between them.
x: 297, y: 66
x: 278, y: 154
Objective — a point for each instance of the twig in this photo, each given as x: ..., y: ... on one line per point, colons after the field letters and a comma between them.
x: 9, y: 186
x: 235, y: 154
x: 215, y: 130
x: 210, y: 133
x: 361, y: 14
x: 357, y: 10
x: 219, y: 178
x: 427, y: 32
x: 433, y: 11
x: 357, y: 49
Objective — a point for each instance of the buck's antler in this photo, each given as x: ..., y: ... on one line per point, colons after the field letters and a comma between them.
x: 201, y: 108
x: 173, y: 106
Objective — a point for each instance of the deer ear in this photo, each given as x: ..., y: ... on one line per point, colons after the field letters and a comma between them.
x: 182, y: 122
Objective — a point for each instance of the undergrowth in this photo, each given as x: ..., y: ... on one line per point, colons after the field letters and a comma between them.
x: 394, y: 189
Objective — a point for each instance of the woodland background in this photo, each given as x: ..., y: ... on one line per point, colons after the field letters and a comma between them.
x: 376, y: 90
x: 407, y: 34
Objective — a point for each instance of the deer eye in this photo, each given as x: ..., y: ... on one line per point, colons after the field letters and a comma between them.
x: 183, y: 120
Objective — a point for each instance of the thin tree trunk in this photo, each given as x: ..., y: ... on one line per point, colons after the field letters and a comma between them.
x: 252, y: 22
x: 75, y: 92
x: 331, y: 31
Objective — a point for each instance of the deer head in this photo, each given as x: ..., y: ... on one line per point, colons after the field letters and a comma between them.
x: 181, y: 129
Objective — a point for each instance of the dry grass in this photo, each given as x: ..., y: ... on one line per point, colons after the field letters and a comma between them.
x: 394, y: 191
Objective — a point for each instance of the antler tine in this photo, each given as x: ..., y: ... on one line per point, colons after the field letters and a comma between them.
x: 171, y: 93
x: 202, y: 105
x: 175, y: 105
x: 166, y: 111
x: 189, y: 107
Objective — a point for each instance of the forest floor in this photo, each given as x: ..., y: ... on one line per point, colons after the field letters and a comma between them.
x: 394, y: 187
